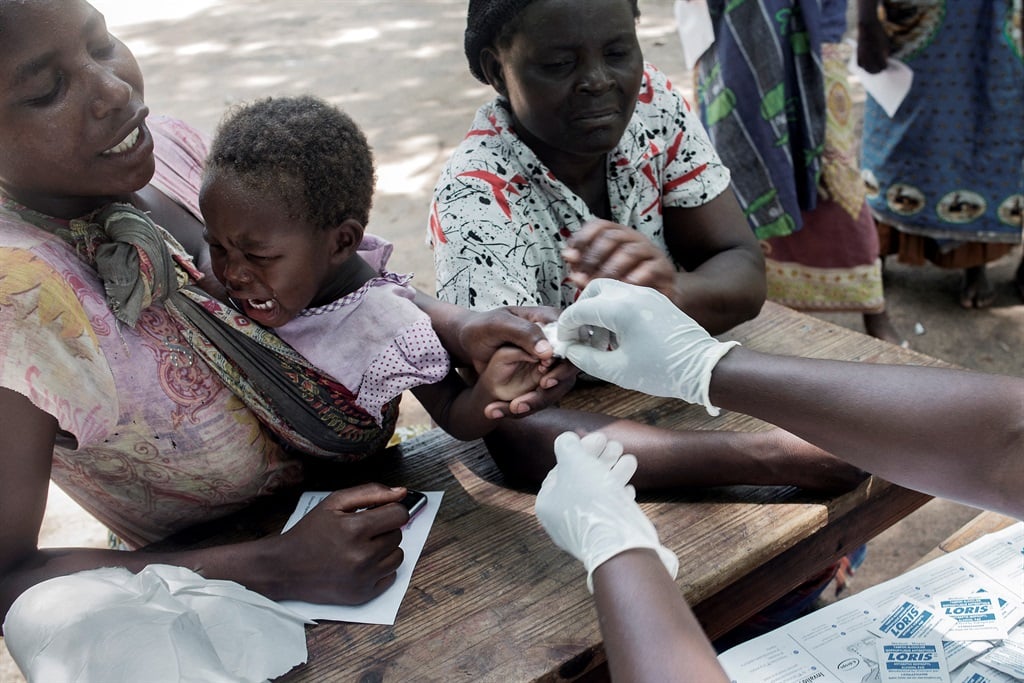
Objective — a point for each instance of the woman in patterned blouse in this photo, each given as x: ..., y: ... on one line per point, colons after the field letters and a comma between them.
x: 589, y: 164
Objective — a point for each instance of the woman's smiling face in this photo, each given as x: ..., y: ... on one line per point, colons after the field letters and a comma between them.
x: 72, y: 116
x: 571, y: 73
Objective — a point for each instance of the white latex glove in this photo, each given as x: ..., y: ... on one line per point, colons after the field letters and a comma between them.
x: 660, y: 350
x: 589, y: 510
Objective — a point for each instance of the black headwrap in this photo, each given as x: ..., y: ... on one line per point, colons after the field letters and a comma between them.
x: 483, y: 23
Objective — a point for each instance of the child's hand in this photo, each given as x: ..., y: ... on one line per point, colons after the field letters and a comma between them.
x: 510, y: 373
x: 540, y: 380
x: 518, y: 384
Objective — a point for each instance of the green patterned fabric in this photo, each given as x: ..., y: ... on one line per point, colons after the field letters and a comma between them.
x: 761, y: 95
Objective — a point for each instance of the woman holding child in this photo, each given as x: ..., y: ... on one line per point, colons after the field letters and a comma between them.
x: 117, y: 406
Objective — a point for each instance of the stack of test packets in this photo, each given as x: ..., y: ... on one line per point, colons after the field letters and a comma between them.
x: 956, y: 619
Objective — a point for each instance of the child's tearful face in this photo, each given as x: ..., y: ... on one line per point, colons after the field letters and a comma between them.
x: 273, y: 264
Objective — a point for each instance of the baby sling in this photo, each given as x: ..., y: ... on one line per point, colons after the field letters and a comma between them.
x: 140, y: 263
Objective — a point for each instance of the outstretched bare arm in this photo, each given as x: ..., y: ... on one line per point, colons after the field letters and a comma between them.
x: 950, y: 433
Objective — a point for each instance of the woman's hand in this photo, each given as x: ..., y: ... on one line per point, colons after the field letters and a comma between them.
x: 345, y: 551
x: 472, y: 338
x: 602, y: 249
x: 555, y: 378
x: 482, y: 333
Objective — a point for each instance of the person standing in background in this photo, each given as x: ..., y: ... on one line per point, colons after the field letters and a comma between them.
x: 774, y: 97
x: 945, y: 173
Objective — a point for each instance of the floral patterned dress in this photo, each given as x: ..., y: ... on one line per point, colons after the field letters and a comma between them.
x: 156, y: 440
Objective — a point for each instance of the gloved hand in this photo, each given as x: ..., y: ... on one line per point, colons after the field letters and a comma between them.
x: 660, y: 350
x: 589, y: 510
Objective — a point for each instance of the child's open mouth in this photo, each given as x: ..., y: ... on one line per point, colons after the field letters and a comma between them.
x: 267, y: 305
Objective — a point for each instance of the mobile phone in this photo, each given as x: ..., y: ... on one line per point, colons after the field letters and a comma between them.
x: 414, y: 501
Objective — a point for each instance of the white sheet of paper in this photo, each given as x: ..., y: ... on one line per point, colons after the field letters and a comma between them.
x: 972, y: 672
x: 840, y: 639
x: 384, y: 608
x: 918, y: 660
x: 946, y: 575
x: 1008, y: 656
x: 693, y: 22
x: 774, y: 657
x: 1003, y: 560
x: 889, y: 87
x: 978, y: 616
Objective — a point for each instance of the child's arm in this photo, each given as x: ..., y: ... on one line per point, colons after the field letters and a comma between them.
x: 462, y: 410
x: 472, y: 337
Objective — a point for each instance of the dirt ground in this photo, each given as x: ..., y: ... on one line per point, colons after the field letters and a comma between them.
x: 398, y: 68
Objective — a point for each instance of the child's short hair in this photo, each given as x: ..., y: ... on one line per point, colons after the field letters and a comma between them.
x: 302, y: 149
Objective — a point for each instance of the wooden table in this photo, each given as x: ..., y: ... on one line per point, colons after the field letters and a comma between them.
x: 492, y: 599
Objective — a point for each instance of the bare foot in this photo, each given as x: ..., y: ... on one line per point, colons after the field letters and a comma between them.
x: 879, y: 326
x: 976, y: 291
x: 795, y: 462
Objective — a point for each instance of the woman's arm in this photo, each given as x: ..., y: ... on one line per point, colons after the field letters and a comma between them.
x: 950, y: 433
x: 723, y: 279
x: 589, y: 511
x: 334, y: 554
x: 472, y: 338
x: 649, y: 632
